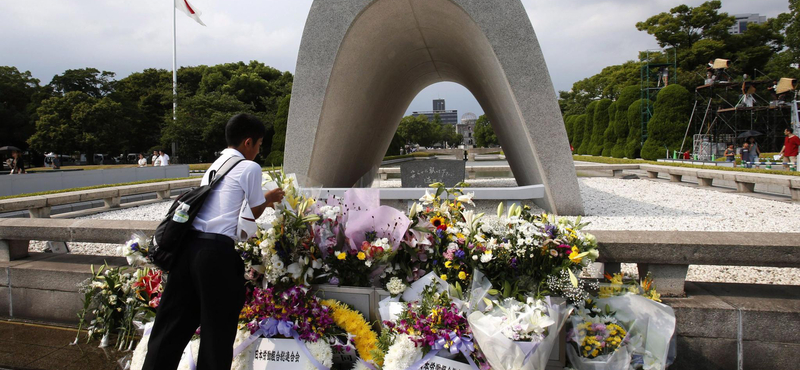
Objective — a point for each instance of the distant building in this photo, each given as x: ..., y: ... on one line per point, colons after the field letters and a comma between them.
x: 466, y: 128
x: 448, y: 116
x: 742, y: 20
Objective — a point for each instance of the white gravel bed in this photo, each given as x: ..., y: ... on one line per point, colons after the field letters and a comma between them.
x: 615, y: 204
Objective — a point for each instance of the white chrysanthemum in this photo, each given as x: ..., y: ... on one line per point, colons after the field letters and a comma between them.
x: 244, y: 360
x: 321, y: 351
x: 195, y: 350
x: 137, y: 361
x: 402, y: 354
x: 395, y: 286
x: 360, y: 365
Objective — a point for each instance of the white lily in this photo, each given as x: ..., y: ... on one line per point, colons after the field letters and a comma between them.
x: 427, y: 198
x: 466, y: 198
x: 415, y: 208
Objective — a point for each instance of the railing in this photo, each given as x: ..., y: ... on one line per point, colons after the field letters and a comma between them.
x: 665, y: 254
x: 472, y: 171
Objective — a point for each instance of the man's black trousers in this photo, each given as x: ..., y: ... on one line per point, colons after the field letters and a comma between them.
x: 205, y: 288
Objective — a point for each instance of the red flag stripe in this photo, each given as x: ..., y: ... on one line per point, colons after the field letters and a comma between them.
x: 188, y: 7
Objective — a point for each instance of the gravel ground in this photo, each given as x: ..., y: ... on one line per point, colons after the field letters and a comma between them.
x: 616, y: 204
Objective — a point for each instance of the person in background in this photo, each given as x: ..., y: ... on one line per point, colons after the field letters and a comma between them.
x: 730, y: 154
x: 755, y: 152
x: 790, y: 145
x: 18, y: 165
x: 687, y: 155
x: 142, y: 160
x: 156, y: 159
x: 164, y: 158
x: 746, y: 155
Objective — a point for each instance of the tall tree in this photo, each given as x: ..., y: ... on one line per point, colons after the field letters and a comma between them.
x: 484, y: 133
x: 588, y: 129
x: 610, y: 135
x: 89, y: 81
x: 685, y: 25
x: 17, y: 93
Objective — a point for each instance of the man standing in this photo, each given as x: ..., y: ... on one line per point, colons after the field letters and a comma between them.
x: 206, y: 285
x: 790, y: 145
x: 164, y: 158
x: 156, y: 159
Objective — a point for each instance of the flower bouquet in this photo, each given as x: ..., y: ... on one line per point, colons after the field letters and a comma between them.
x: 431, y: 329
x: 514, y: 334
x: 599, y: 341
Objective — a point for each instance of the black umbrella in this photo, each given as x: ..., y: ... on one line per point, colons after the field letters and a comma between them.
x: 749, y: 133
x: 9, y: 148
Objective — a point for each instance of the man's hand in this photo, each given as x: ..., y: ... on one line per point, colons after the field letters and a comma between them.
x: 274, y: 196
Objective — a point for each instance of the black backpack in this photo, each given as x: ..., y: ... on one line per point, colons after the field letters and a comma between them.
x: 170, y: 233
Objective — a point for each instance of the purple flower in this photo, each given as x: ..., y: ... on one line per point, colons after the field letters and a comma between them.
x: 333, y: 281
x: 459, y: 254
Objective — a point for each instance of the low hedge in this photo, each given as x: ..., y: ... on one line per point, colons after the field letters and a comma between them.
x: 641, y: 161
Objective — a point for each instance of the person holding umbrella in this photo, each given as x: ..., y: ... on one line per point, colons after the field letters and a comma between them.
x: 17, y: 163
x: 755, y: 152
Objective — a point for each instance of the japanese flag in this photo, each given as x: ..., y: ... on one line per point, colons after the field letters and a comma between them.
x: 189, y: 9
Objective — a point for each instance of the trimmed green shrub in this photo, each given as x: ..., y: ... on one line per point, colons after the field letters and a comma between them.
x: 667, y: 126
x: 568, y: 122
x: 609, y: 136
x: 586, y: 143
x: 599, y: 126
x: 627, y: 96
x: 577, y: 131
x: 634, y: 142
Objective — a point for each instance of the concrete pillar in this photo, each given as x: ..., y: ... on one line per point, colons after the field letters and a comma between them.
x: 795, y: 194
x: 675, y: 178
x: 669, y: 279
x: 616, y: 173
x: 11, y: 250
x: 384, y: 176
x: 652, y: 174
x: 111, y: 202
x: 162, y: 194
x: 612, y: 268
x: 471, y: 174
x: 43, y: 212
x: 704, y: 182
x: 745, y: 187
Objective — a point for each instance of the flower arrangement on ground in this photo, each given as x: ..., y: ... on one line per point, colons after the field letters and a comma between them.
x: 115, y: 297
x: 598, y: 337
x: 425, y: 328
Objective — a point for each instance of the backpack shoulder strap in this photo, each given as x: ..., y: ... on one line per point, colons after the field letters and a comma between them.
x: 228, y: 165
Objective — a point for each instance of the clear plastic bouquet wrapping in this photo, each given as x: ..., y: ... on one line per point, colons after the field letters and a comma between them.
x: 515, y: 335
x: 651, y: 331
x: 597, y: 340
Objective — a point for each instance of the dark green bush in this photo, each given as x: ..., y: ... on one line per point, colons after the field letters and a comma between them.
x: 586, y: 142
x: 577, y: 131
x: 621, y: 125
x: 599, y: 126
x: 568, y: 123
x: 609, y: 137
x: 666, y: 128
x: 634, y: 142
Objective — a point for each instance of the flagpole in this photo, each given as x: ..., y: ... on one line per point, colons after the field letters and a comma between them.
x: 174, y: 65
x: 174, y: 74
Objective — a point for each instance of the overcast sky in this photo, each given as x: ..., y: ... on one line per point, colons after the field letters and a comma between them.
x: 46, y: 37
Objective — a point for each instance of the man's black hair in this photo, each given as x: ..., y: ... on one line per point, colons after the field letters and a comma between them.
x: 243, y: 126
x: 790, y: 129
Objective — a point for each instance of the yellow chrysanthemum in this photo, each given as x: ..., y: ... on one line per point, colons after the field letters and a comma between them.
x: 361, y: 256
x: 341, y: 256
x: 448, y: 264
x: 443, y: 277
x: 353, y: 322
x: 462, y: 275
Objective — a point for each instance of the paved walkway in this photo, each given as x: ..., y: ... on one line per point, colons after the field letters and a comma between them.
x: 34, y: 346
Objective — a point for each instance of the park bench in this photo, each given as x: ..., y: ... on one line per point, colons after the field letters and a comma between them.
x: 745, y: 181
x: 39, y: 206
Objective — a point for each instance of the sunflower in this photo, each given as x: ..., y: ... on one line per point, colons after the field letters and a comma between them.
x: 437, y: 221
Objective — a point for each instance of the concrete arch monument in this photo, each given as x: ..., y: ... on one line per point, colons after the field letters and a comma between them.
x: 361, y: 63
